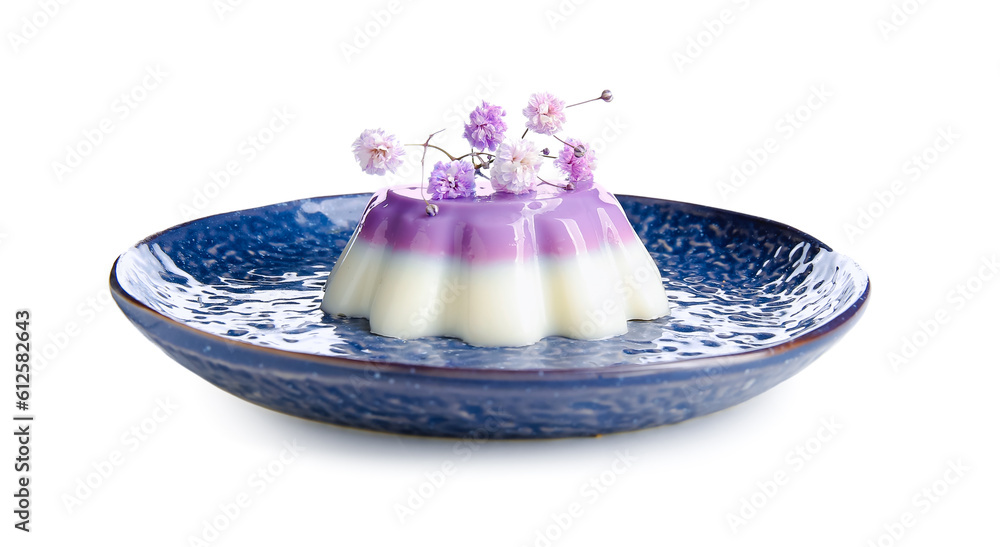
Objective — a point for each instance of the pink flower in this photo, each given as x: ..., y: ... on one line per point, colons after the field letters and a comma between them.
x: 577, y: 167
x: 545, y: 113
x: 515, y: 168
x: 486, y: 126
x: 455, y: 179
x: 378, y: 152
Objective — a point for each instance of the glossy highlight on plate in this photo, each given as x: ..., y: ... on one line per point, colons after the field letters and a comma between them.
x: 235, y: 298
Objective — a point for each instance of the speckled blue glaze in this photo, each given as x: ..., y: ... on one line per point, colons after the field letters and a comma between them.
x: 235, y: 299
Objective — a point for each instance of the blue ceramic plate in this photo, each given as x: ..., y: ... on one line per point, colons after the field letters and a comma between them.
x: 235, y: 299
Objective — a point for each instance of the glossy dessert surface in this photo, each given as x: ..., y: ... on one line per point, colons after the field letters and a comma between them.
x: 497, y: 270
x: 497, y: 226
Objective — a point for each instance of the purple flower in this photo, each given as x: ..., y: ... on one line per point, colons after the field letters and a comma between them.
x: 545, y: 113
x: 515, y: 168
x: 486, y: 126
x: 378, y: 152
x: 577, y: 168
x: 454, y: 179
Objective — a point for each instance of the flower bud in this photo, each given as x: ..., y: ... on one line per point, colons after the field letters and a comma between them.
x: 606, y: 96
x: 580, y: 150
x: 545, y: 151
x: 432, y: 210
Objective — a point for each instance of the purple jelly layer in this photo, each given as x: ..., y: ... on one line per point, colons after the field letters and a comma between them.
x: 498, y: 226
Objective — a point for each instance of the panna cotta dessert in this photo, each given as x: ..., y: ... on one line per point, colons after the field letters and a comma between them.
x: 506, y: 262
x: 497, y: 269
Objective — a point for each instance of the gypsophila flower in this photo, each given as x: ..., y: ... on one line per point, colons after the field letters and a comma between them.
x: 545, y: 113
x: 486, y: 127
x: 577, y: 168
x: 515, y: 168
x: 453, y: 179
x: 378, y: 152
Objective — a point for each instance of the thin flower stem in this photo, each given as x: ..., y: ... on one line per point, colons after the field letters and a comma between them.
x: 584, y: 102
x: 445, y: 152
x: 426, y: 146
x: 543, y: 181
x: 477, y: 157
x: 470, y: 154
x: 525, y: 134
x: 477, y: 161
x: 605, y: 96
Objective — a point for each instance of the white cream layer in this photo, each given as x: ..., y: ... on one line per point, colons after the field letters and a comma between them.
x: 407, y: 295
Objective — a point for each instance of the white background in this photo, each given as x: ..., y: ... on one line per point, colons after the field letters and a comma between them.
x: 676, y: 129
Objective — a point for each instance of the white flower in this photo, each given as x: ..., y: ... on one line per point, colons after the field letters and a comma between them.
x: 545, y: 113
x: 515, y: 168
x: 378, y: 152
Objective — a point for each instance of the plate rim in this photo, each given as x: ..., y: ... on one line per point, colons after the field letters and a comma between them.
x: 839, y: 323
